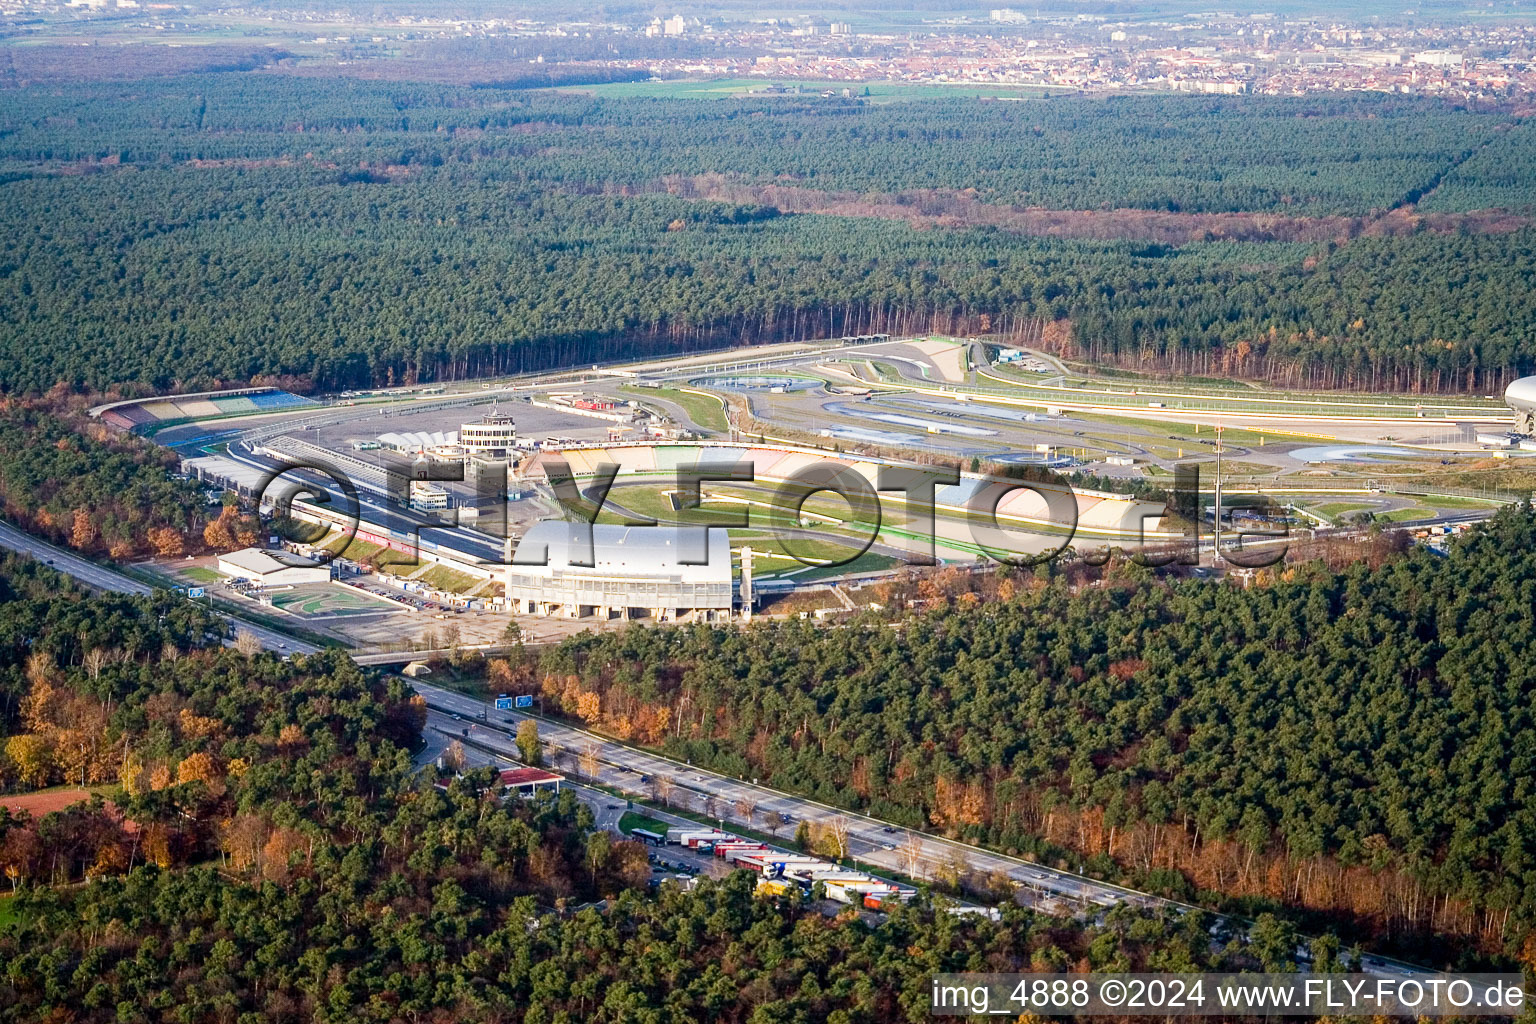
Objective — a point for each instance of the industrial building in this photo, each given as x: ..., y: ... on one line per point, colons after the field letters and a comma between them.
x: 272, y: 568
x: 637, y: 571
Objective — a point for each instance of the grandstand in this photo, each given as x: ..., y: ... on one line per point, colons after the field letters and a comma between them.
x: 147, y: 413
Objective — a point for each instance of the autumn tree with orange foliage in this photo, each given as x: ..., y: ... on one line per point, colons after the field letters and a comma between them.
x: 64, y: 478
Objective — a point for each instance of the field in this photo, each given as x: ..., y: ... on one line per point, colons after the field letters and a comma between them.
x: 45, y: 801
x: 1338, y: 510
x: 1406, y: 515
x: 199, y: 574
x: 702, y: 409
x: 361, y: 550
x: 357, y: 550
x: 631, y: 821
x: 867, y: 562
x: 449, y: 580
x: 1442, y: 501
x: 1335, y: 509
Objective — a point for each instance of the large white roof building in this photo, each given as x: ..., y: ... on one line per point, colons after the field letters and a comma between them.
x: 272, y: 568
x: 1521, y: 397
x: 636, y: 570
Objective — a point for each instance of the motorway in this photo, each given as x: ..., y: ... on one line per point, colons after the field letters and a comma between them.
x: 872, y: 843
x: 496, y: 748
x: 870, y: 840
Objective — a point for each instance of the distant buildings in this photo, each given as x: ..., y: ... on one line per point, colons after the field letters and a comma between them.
x: 673, y: 26
x: 1438, y: 58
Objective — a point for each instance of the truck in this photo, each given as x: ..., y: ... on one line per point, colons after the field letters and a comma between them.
x: 852, y: 890
x: 752, y: 860
x: 832, y: 873
x: 727, y: 846
x: 788, y: 864
x: 885, y: 899
x: 776, y: 887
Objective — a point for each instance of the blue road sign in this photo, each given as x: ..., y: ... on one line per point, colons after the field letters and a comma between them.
x: 196, y: 591
x: 503, y: 703
x: 524, y: 701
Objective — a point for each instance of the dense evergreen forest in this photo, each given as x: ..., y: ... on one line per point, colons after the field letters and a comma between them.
x: 210, y: 229
x: 1357, y: 742
x: 268, y: 853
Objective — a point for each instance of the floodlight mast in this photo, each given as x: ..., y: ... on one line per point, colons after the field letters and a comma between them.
x: 1216, y: 557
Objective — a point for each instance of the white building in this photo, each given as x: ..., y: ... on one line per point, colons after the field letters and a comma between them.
x: 493, y: 435
x: 272, y: 568
x: 637, y: 571
x: 1438, y: 58
x: 427, y: 496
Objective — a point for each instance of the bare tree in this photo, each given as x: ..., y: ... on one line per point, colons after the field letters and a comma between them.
x: 912, y: 855
x: 838, y: 829
x: 662, y: 789
x: 170, y: 652
x: 746, y: 809
x: 711, y: 806
x: 247, y: 643
x: 95, y: 660
x: 556, y: 755
x: 453, y: 757
x: 589, y: 763
x: 40, y: 667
